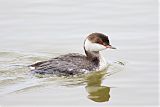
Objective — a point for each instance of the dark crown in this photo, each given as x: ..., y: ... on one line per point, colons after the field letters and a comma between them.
x: 99, y: 38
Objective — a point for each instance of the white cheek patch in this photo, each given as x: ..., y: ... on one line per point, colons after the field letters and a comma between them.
x: 89, y: 46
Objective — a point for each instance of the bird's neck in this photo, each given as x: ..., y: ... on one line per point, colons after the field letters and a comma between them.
x: 93, y: 56
x: 97, y: 59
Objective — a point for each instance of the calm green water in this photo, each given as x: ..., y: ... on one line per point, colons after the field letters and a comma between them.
x: 38, y: 30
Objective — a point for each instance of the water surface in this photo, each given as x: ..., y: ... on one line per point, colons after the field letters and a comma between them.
x: 37, y: 30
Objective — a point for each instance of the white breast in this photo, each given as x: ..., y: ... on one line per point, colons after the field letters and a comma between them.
x: 102, y: 64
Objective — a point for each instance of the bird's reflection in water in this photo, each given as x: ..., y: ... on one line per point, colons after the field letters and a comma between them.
x: 92, y: 81
x: 96, y: 91
x: 93, y: 85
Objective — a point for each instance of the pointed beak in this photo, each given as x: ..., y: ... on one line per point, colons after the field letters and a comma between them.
x: 111, y: 47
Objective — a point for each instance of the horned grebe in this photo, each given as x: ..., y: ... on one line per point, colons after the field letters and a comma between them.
x: 74, y: 63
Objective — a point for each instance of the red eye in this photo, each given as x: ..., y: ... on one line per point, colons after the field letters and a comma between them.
x: 100, y: 42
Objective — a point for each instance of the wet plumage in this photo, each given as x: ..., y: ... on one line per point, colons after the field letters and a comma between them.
x: 75, y: 63
x: 72, y: 63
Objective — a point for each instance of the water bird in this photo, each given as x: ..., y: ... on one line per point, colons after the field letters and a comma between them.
x: 75, y: 63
